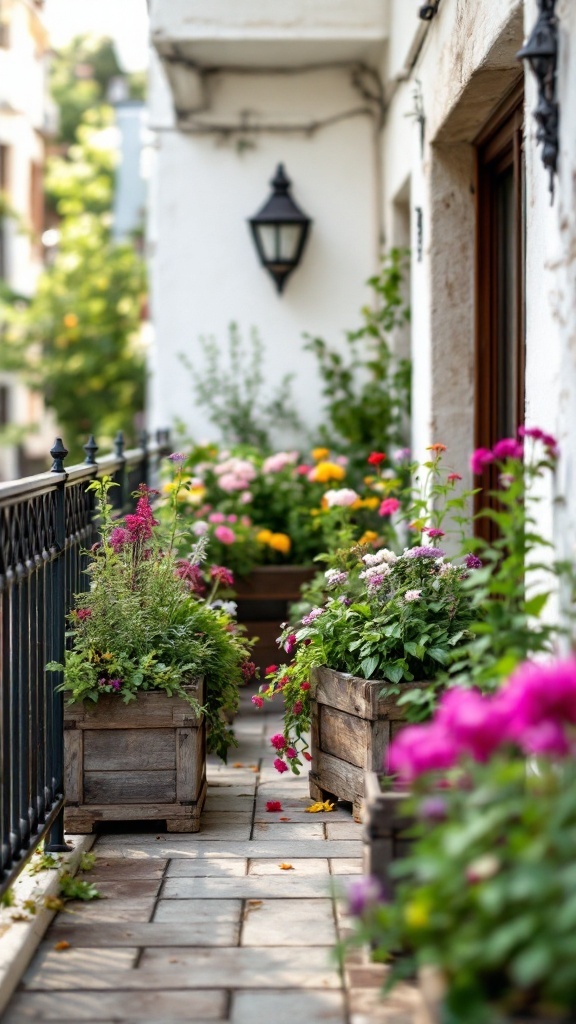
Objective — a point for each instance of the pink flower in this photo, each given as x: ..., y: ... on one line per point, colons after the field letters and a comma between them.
x: 433, y: 532
x: 177, y: 457
x: 537, y: 694
x: 245, y: 498
x: 537, y: 434
x: 223, y: 575
x: 191, y: 574
x: 291, y: 753
x: 232, y: 518
x: 508, y: 448
x: 298, y: 706
x: 225, y: 535
x: 245, y: 520
x: 273, y: 805
x: 479, y: 459
x: 290, y: 643
x: 477, y: 725
x: 343, y: 498
x: 119, y: 538
x: 217, y: 517
x: 280, y: 765
x: 305, y: 686
x: 389, y: 506
x: 452, y: 477
x: 258, y: 702
x: 278, y: 741
x: 422, y: 748
x: 303, y: 470
x: 83, y: 613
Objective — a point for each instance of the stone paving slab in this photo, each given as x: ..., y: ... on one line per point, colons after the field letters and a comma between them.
x: 199, y: 911
x: 114, y: 936
x: 74, y: 1006
x: 289, y: 923
x: 109, y: 910
x: 113, y: 868
x: 286, y: 885
x: 188, y: 846
x: 82, y: 958
x: 129, y: 888
x: 286, y: 830
x: 288, y: 1008
x: 213, y: 866
x: 299, y: 865
x: 271, y: 967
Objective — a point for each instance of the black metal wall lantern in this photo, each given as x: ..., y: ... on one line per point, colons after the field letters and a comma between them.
x: 280, y: 230
x: 427, y: 11
x: 541, y: 52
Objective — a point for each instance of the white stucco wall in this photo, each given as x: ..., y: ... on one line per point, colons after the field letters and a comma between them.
x: 204, y: 269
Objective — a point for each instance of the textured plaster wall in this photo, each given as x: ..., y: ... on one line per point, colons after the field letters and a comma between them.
x: 205, y: 271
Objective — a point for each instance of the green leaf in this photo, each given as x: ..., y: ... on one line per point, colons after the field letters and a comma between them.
x: 536, y: 604
x: 368, y: 666
x: 439, y: 654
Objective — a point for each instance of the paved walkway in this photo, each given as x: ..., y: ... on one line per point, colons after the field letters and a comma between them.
x: 236, y: 923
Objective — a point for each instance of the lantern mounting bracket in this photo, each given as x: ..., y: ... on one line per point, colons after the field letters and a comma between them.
x: 541, y: 53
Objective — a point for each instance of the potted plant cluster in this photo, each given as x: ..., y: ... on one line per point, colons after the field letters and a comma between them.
x: 487, y: 896
x: 153, y: 660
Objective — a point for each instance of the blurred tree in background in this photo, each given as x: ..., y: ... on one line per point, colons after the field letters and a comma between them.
x: 77, y: 340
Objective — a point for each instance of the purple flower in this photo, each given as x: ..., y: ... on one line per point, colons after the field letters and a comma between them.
x: 433, y: 808
x: 373, y: 582
x: 346, y: 601
x: 314, y: 614
x: 472, y: 562
x: 425, y: 553
x: 508, y: 448
x: 116, y: 684
x: 177, y: 457
x: 290, y: 643
x: 364, y: 893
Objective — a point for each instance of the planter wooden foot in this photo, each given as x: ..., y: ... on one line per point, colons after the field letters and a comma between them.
x: 319, y: 794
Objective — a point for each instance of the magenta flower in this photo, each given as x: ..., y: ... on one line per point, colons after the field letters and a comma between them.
x: 278, y: 741
x: 476, y: 723
x: 191, y: 574
x: 225, y: 535
x: 479, y: 459
x: 280, y: 765
x: 119, y: 537
x: 291, y: 753
x: 216, y: 517
x: 388, y: 507
x: 83, y: 613
x: 508, y: 448
x: 540, y: 693
x: 116, y: 684
x: 298, y: 706
x: 258, y: 702
x: 548, y: 440
x: 435, y: 533
x: 422, y: 748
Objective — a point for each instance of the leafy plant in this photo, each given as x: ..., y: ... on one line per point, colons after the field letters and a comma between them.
x: 141, y: 627
x: 367, y: 391
x: 488, y: 893
x: 87, y: 862
x: 237, y: 396
x: 72, y: 888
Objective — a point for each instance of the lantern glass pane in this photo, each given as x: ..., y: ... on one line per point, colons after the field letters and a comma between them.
x: 267, y: 235
x: 289, y: 240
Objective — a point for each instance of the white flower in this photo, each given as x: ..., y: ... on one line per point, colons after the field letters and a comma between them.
x: 334, y: 578
x: 229, y: 607
x: 375, y: 570
x: 342, y: 498
x: 412, y: 595
x: 384, y: 555
x: 200, y: 528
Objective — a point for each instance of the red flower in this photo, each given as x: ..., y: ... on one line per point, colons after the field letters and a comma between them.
x: 375, y: 458
x: 305, y: 686
x: 248, y: 669
x: 270, y: 670
x: 259, y: 703
x: 274, y: 805
x: 297, y: 709
x: 223, y: 575
x: 83, y: 613
x: 307, y: 755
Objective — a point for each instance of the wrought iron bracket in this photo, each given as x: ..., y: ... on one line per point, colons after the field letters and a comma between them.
x: 429, y: 10
x: 541, y: 53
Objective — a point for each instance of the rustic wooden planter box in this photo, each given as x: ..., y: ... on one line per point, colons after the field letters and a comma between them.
x: 263, y: 600
x: 131, y: 762
x: 385, y: 828
x: 351, y: 730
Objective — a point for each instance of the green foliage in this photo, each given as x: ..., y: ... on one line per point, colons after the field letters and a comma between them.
x: 80, y: 74
x: 76, y: 889
x: 76, y: 341
x: 87, y: 862
x: 237, y: 396
x: 140, y: 627
x: 44, y: 862
x: 367, y: 392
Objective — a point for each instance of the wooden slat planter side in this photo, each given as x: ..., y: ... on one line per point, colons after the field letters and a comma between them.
x: 351, y: 729
x: 263, y: 600
x: 385, y: 828
x: 131, y: 762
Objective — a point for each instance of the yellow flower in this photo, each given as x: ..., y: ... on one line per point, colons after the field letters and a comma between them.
x: 195, y: 495
x: 417, y: 914
x: 70, y: 320
x: 369, y: 480
x: 324, y: 472
x: 280, y: 542
x: 371, y: 503
x: 263, y: 536
x: 368, y: 537
x: 315, y: 511
x: 168, y: 487
x: 320, y: 453
x: 107, y: 656
x: 319, y: 806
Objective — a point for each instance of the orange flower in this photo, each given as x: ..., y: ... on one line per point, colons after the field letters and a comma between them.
x: 437, y: 448
x: 70, y: 320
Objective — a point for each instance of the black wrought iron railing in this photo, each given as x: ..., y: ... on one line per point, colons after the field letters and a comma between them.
x: 46, y: 527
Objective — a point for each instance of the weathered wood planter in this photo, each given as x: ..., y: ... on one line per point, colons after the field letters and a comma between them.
x: 263, y: 600
x: 131, y: 762
x: 385, y: 830
x: 351, y: 730
x: 432, y: 986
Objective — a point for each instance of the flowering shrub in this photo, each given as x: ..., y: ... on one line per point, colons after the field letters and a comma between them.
x: 144, y: 624
x: 488, y: 894
x: 277, y: 509
x: 392, y: 617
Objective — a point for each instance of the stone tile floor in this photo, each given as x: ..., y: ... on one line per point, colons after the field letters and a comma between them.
x: 209, y: 927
